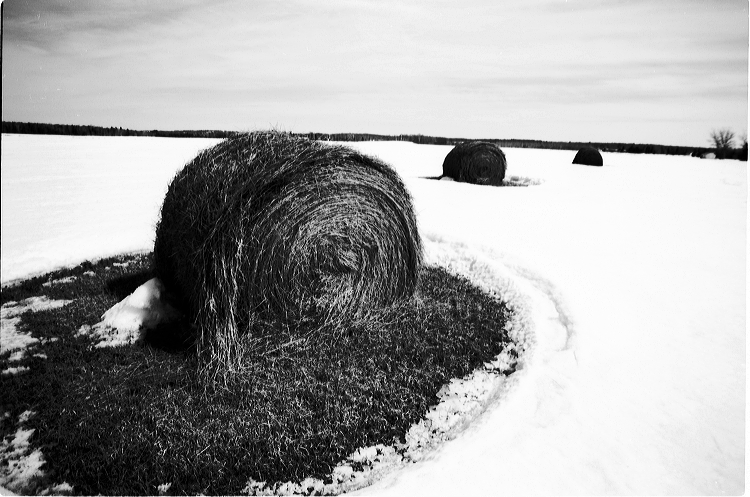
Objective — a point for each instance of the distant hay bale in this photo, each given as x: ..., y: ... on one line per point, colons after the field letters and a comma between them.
x: 272, y: 227
x: 588, y: 156
x: 479, y: 163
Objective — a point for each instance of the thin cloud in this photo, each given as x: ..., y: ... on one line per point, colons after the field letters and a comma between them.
x: 48, y: 25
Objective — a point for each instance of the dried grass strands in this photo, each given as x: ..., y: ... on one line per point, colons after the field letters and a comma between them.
x: 479, y: 163
x: 268, y: 227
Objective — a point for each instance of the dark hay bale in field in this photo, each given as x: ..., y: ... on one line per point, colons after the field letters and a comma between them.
x: 588, y: 156
x: 266, y: 227
x: 479, y: 163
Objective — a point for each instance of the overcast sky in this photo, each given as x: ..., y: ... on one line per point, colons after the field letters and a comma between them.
x: 648, y: 71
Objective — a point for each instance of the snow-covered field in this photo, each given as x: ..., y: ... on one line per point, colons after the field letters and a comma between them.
x: 639, y: 266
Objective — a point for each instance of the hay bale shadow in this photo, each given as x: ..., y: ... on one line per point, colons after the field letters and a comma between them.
x: 513, y: 181
x: 175, y: 337
x: 122, y: 286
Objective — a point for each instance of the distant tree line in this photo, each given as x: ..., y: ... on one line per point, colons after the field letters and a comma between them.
x: 85, y: 130
x: 631, y: 148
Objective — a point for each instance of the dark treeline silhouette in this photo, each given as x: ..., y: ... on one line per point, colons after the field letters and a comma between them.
x: 85, y: 130
x: 631, y: 148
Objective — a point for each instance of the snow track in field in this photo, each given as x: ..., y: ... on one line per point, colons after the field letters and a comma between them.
x: 542, y: 336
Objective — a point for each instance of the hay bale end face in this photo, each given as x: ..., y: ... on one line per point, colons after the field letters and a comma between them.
x: 588, y: 156
x: 267, y: 226
x: 479, y: 163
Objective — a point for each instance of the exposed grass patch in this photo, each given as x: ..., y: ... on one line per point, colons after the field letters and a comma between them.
x: 126, y: 420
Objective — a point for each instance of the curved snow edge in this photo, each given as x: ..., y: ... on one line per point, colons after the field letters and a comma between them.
x: 73, y: 262
x: 461, y: 400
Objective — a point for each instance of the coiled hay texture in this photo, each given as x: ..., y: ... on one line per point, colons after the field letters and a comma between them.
x: 588, y: 156
x: 476, y: 162
x: 268, y: 227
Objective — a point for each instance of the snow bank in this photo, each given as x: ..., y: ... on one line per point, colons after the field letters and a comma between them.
x: 124, y: 323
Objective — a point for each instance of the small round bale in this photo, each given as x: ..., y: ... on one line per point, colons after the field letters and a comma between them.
x: 267, y: 227
x: 476, y: 162
x: 588, y: 156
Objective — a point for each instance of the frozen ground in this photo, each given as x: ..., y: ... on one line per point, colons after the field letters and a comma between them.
x: 639, y: 266
x: 67, y: 199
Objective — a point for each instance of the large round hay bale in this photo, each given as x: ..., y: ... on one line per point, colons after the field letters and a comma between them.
x: 476, y: 162
x: 588, y: 156
x: 266, y: 226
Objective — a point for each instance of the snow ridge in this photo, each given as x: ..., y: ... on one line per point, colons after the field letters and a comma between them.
x: 464, y: 400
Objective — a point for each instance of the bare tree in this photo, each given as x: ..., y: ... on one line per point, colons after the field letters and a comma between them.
x: 722, y: 140
x: 743, y: 149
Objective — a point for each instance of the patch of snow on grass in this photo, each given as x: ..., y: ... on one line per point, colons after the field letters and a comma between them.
x: 12, y: 339
x: 61, y: 281
x: 18, y: 466
x: 17, y: 355
x: 25, y: 416
x: 14, y: 370
x: 33, y: 304
x: 64, y: 488
x: 125, y: 322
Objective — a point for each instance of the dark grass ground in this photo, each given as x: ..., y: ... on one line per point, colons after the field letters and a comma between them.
x: 125, y: 420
